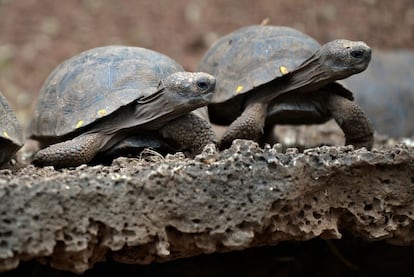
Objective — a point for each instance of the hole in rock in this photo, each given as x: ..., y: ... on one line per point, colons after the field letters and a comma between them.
x: 316, y: 215
x: 367, y: 207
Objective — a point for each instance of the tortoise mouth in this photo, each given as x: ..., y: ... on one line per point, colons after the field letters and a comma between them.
x: 208, y: 96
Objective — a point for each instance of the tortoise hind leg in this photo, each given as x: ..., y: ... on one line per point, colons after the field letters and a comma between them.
x: 72, y: 152
x: 190, y: 132
x: 352, y: 120
x: 249, y: 125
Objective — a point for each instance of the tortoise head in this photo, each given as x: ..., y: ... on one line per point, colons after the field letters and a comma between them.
x: 343, y: 58
x: 190, y: 88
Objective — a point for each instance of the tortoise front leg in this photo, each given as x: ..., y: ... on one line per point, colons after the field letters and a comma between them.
x: 190, y: 132
x: 249, y: 125
x: 352, y: 120
x: 72, y: 152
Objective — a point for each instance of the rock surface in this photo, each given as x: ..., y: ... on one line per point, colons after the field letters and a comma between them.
x: 158, y: 209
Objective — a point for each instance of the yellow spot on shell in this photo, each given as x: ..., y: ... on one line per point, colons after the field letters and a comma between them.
x: 239, y: 89
x: 6, y: 135
x: 101, y: 112
x: 283, y: 70
x: 80, y: 123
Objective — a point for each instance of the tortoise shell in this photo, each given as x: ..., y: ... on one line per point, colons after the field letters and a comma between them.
x: 254, y: 55
x: 94, y: 84
x: 11, y: 133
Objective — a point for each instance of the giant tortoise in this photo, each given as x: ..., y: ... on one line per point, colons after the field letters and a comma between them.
x: 100, y: 98
x: 268, y: 75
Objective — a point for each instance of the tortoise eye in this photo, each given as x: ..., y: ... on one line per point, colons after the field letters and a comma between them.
x: 357, y: 53
x: 203, y: 85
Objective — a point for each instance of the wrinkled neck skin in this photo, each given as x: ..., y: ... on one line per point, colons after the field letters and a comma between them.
x: 148, y: 113
x: 310, y: 76
x: 164, y: 108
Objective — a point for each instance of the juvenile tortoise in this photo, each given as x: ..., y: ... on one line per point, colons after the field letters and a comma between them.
x: 386, y: 91
x: 103, y: 97
x: 268, y: 75
x: 11, y: 132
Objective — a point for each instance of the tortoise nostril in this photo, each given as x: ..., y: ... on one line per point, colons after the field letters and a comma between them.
x: 357, y: 53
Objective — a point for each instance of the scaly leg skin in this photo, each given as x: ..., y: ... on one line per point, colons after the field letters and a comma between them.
x: 354, y: 123
x: 249, y: 125
x: 70, y: 153
x: 190, y: 132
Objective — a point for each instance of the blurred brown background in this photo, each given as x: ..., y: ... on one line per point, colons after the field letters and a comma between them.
x: 36, y: 35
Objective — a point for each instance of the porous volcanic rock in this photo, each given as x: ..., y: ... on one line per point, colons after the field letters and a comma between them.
x: 149, y: 209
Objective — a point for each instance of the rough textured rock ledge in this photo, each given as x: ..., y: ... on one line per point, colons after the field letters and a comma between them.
x: 140, y: 211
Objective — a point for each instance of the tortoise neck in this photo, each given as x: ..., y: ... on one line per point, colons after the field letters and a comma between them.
x: 311, y: 75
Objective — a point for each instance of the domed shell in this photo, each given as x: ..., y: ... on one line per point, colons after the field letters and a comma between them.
x: 254, y: 55
x: 94, y: 84
x: 11, y: 132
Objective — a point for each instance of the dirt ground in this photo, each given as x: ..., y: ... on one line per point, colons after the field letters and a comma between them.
x: 35, y: 36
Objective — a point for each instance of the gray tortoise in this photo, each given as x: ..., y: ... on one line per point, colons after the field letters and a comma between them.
x: 110, y: 96
x: 11, y: 132
x: 268, y: 75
